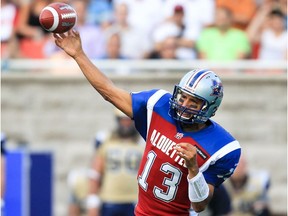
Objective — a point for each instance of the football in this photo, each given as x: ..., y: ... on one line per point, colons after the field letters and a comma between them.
x: 58, y: 17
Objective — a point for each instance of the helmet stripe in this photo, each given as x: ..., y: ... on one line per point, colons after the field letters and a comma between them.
x: 194, y: 80
x: 199, y: 79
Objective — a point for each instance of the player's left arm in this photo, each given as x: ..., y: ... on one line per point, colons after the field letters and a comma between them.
x: 201, y: 206
x: 202, y: 185
x: 200, y: 193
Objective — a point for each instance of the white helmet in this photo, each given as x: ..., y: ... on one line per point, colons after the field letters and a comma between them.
x: 200, y: 83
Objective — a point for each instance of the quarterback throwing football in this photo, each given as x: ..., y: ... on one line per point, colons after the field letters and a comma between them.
x: 187, y: 154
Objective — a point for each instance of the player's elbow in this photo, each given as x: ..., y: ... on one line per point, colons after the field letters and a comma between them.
x: 106, y: 98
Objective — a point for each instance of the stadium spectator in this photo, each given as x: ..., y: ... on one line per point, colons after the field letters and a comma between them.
x: 134, y: 44
x: 9, y: 43
x: 175, y: 26
x: 199, y: 13
x: 143, y: 16
x: 267, y: 34
x: 113, y: 186
x: 222, y: 42
x: 276, y: 5
x: 166, y: 50
x: 113, y: 46
x: 32, y: 37
x: 242, y: 11
x: 99, y: 12
x: 249, y: 190
x: 282, y: 5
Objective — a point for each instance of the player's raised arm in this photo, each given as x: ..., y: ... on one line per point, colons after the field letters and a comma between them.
x: 71, y: 44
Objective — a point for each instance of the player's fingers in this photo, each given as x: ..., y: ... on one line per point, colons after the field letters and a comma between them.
x: 186, y: 150
x: 57, y: 43
x: 58, y: 37
x: 182, y: 154
x: 187, y: 146
x: 179, y: 150
x: 62, y: 35
x: 183, y: 145
x: 76, y: 33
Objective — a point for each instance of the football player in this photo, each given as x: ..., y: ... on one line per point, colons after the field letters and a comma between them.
x: 249, y: 190
x: 113, y: 183
x: 187, y: 154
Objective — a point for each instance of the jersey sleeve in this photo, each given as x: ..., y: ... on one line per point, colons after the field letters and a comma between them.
x: 139, y: 106
x: 217, y: 173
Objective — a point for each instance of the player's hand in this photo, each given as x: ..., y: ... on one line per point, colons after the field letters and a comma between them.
x: 70, y: 42
x: 189, y: 153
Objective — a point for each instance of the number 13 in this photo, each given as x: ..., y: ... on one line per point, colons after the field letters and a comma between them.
x: 171, y: 183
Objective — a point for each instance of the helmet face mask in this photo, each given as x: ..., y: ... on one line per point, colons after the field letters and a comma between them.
x: 202, y: 85
x: 186, y: 112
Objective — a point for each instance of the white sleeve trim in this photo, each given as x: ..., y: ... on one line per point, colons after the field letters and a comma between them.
x: 150, y: 105
x: 220, y: 153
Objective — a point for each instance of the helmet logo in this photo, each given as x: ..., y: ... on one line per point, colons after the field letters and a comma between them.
x: 217, y: 89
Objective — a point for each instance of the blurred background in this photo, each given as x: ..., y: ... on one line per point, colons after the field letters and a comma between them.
x: 50, y: 114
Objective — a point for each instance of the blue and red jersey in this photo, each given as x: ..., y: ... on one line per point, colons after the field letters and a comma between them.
x: 162, y: 176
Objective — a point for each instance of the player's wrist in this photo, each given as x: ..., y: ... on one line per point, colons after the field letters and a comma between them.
x: 198, y: 189
x: 192, y: 172
x: 78, y: 55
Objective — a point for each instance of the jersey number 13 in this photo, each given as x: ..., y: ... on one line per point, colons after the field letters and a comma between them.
x: 171, y: 183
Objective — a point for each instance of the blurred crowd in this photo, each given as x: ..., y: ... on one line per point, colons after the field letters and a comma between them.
x: 153, y: 29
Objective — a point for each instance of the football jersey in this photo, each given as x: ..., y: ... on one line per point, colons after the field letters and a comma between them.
x: 162, y: 175
x: 122, y: 158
